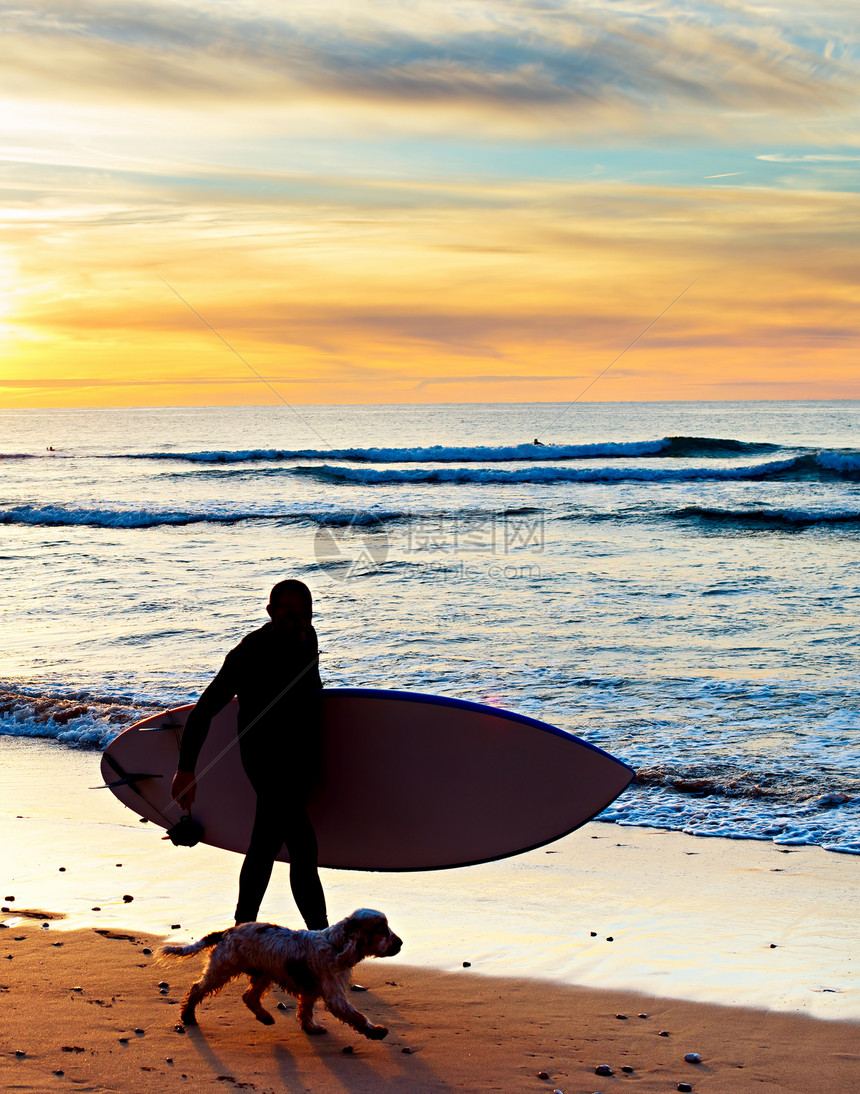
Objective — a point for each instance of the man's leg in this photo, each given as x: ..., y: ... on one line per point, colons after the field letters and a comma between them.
x: 267, y: 838
x: 274, y: 826
x: 305, y: 883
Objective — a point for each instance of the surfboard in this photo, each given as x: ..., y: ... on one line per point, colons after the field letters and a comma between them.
x: 409, y: 781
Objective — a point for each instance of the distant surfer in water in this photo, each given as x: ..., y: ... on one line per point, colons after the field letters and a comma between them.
x: 538, y: 443
x: 274, y: 671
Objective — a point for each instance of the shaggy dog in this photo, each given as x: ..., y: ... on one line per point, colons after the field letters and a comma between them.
x: 310, y: 965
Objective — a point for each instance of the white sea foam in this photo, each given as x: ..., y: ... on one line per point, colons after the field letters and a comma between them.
x: 839, y: 461
x: 75, y: 719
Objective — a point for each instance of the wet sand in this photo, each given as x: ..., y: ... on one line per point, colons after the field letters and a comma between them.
x: 88, y: 1014
x: 742, y: 952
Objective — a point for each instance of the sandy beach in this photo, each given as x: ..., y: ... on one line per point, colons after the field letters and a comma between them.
x: 111, y: 1027
x: 742, y: 952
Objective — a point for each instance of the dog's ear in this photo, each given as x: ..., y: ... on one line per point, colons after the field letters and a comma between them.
x: 358, y: 930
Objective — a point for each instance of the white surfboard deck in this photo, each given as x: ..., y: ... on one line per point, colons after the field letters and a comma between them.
x: 409, y: 782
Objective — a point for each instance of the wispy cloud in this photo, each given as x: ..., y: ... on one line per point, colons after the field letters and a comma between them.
x: 564, y: 67
x: 810, y: 157
x: 377, y: 198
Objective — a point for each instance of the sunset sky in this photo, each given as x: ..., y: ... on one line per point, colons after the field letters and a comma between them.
x: 420, y: 201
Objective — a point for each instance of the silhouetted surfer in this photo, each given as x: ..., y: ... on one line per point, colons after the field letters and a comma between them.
x: 538, y: 444
x: 274, y: 672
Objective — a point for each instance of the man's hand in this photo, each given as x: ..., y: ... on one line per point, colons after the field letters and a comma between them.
x: 183, y: 789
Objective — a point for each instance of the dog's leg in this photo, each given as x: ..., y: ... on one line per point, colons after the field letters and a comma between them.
x: 212, y: 980
x: 341, y: 1008
x: 259, y: 986
x: 305, y: 1014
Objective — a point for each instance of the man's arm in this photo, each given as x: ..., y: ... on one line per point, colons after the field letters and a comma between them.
x: 216, y: 696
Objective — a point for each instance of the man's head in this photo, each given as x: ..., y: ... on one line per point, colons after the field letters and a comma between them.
x: 290, y: 607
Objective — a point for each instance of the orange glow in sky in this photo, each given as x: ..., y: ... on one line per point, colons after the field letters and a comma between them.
x: 482, y: 203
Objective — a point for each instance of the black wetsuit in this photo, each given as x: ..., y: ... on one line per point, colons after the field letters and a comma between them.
x: 277, y: 682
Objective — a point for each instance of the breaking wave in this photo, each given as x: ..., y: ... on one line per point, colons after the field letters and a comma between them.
x: 767, y: 518
x: 670, y: 447
x: 52, y: 516
x: 822, y: 466
x: 79, y: 720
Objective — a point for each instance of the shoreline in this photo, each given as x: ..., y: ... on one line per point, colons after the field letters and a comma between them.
x: 679, y: 917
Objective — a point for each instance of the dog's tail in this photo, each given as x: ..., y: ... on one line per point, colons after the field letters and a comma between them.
x: 205, y: 943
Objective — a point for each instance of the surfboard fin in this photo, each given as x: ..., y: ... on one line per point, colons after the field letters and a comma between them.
x: 127, y: 780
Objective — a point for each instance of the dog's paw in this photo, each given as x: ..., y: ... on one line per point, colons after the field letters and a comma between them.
x: 376, y: 1033
x: 188, y: 1018
x: 313, y: 1028
x: 265, y: 1018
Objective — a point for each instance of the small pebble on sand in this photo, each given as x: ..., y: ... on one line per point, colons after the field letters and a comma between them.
x: 20, y: 1052
x: 163, y: 984
x: 123, y: 1040
x: 62, y: 869
x: 693, y: 1058
x: 407, y: 1050
x: 627, y: 1069
x: 542, y: 1075
x: 96, y: 909
x: 610, y: 938
x: 621, y: 1017
x: 603, y: 1069
x: 663, y: 1033
x: 642, y: 1016
x: 179, y: 1029
x: 282, y: 1006
x: 593, y: 934
x: 127, y: 898
x: 11, y: 899
x: 347, y: 1050
x: 59, y: 1072
x: 175, y: 926
x: 685, y: 1087
x: 467, y: 964
x: 147, y: 952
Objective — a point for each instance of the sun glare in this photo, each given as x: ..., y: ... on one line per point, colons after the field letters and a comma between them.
x: 8, y: 287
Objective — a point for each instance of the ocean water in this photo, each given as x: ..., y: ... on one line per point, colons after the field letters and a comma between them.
x: 676, y: 583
